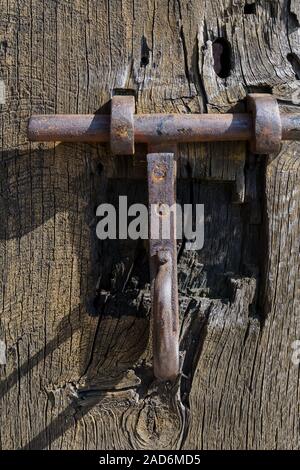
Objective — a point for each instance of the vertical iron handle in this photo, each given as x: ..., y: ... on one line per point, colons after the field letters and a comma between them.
x: 163, y: 264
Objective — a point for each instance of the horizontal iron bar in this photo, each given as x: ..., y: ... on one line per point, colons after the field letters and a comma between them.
x: 155, y: 128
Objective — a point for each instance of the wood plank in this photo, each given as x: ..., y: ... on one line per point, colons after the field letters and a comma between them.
x: 75, y: 311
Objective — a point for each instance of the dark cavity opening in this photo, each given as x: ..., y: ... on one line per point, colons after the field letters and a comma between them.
x: 123, y: 92
x: 4, y: 45
x: 144, y: 61
x: 250, y: 9
x: 295, y: 63
x: 100, y: 168
x: 222, y: 57
x: 145, y: 52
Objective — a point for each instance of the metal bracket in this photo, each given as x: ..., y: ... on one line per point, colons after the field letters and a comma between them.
x: 122, y: 125
x: 163, y: 263
x: 263, y: 126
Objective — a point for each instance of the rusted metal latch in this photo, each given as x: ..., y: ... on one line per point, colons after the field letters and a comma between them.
x: 263, y: 126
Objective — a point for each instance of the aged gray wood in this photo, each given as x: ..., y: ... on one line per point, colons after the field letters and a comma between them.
x: 75, y: 311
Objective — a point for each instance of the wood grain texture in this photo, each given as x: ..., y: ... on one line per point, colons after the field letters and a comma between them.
x: 75, y: 312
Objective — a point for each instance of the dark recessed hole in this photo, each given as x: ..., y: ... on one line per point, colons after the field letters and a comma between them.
x: 222, y: 57
x: 144, y: 61
x: 123, y: 92
x: 260, y: 89
x: 295, y: 63
x: 100, y: 168
x: 94, y: 305
x: 4, y: 45
x: 145, y: 52
x: 274, y: 6
x: 250, y: 9
x: 293, y: 21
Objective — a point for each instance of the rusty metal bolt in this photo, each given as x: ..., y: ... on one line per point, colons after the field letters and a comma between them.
x: 159, y: 172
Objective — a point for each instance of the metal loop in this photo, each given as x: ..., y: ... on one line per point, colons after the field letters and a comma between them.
x: 122, y: 125
x: 267, y: 128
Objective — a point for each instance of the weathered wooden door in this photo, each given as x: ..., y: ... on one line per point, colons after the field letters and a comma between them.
x: 75, y: 319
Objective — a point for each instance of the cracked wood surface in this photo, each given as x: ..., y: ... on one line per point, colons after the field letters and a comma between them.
x: 75, y: 313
